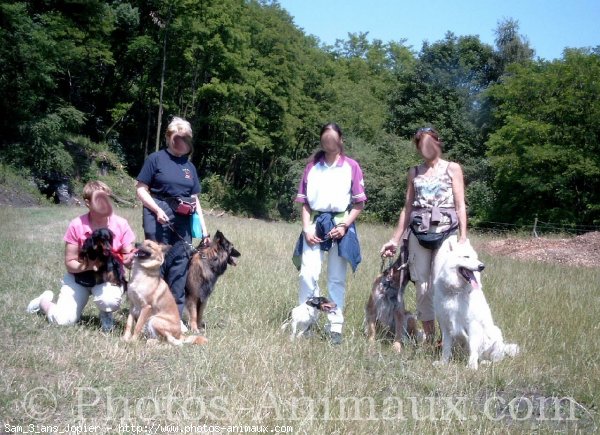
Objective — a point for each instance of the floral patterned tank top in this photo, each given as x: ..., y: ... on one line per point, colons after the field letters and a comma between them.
x: 434, y: 190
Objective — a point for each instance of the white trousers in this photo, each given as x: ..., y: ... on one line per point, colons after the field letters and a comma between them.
x: 73, y: 298
x: 312, y: 259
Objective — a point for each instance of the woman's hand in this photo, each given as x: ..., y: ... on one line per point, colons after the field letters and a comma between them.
x: 128, y: 258
x: 93, y: 265
x: 161, y: 216
x: 311, y: 238
x: 389, y: 249
x: 338, y: 232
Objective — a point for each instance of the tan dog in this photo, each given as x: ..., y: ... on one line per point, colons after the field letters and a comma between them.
x: 152, y: 306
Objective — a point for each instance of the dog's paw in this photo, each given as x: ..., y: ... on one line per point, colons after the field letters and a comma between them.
x: 472, y: 365
x: 512, y: 350
x: 397, y: 347
x: 440, y: 363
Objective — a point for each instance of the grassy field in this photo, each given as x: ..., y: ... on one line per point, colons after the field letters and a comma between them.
x: 251, y: 375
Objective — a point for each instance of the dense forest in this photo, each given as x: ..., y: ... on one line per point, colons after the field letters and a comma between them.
x: 88, y: 87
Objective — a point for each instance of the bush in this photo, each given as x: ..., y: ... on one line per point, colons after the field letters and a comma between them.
x: 385, y: 167
x: 20, y: 184
x: 95, y: 161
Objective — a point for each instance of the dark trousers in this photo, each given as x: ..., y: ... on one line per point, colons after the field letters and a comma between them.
x: 174, y: 270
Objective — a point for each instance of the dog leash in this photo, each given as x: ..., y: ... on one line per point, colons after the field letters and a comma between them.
x: 172, y: 228
x: 189, y: 245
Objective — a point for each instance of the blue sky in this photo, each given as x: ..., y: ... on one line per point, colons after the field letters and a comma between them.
x: 549, y: 25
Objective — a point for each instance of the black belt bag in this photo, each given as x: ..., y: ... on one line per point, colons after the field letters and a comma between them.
x: 430, y: 240
x: 88, y: 278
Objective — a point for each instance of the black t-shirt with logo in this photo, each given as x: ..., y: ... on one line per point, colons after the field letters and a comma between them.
x: 169, y: 176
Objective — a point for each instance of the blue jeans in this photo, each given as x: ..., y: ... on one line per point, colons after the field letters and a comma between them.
x: 174, y: 270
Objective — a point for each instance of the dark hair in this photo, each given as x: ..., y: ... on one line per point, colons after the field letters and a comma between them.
x: 320, y: 153
x: 429, y: 131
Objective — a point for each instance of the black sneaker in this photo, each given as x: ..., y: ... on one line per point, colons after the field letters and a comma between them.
x: 336, y: 338
x: 107, y: 322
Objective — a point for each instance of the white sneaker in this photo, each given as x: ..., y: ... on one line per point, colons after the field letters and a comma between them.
x: 184, y: 328
x: 34, y: 305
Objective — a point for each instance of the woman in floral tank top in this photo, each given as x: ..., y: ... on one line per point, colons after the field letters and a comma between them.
x: 435, y: 189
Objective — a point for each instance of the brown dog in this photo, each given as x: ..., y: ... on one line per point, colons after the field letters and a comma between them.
x: 386, y: 307
x: 206, y: 266
x: 152, y: 306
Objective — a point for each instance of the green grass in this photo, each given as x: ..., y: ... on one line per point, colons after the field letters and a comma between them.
x: 251, y: 374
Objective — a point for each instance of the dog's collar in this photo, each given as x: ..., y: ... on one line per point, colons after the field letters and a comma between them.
x: 118, y: 255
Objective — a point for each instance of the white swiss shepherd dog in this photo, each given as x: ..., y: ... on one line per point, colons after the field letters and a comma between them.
x: 461, y: 308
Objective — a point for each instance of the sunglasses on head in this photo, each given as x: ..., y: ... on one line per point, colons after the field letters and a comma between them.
x: 425, y: 130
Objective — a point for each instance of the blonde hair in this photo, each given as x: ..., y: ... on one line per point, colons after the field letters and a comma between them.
x: 92, y: 186
x: 180, y: 127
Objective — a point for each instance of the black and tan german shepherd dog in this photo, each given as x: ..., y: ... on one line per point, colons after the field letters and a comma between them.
x: 206, y: 266
x: 385, y: 308
x: 98, y: 247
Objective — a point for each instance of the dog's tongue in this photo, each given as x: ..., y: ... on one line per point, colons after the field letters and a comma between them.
x: 473, y: 280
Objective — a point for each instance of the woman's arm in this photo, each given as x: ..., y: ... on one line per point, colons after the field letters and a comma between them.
x: 458, y: 191
x: 340, y: 230
x: 72, y: 262
x: 389, y: 248
x: 307, y: 228
x: 143, y: 193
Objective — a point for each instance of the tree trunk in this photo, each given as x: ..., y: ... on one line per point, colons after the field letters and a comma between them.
x: 162, y: 82
x: 147, y: 133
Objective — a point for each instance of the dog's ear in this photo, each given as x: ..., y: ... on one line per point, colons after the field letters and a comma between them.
x: 312, y: 302
x: 450, y: 245
x: 87, y: 245
x: 107, y: 234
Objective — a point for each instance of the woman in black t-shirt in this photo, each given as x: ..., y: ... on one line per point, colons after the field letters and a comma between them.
x: 166, y: 178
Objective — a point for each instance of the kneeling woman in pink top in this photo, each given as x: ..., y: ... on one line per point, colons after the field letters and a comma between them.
x: 74, y: 294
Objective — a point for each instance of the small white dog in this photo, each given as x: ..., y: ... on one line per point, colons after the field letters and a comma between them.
x: 304, y: 315
x: 462, y: 310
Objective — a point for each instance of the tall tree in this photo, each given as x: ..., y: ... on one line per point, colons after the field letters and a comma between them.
x: 546, y: 151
